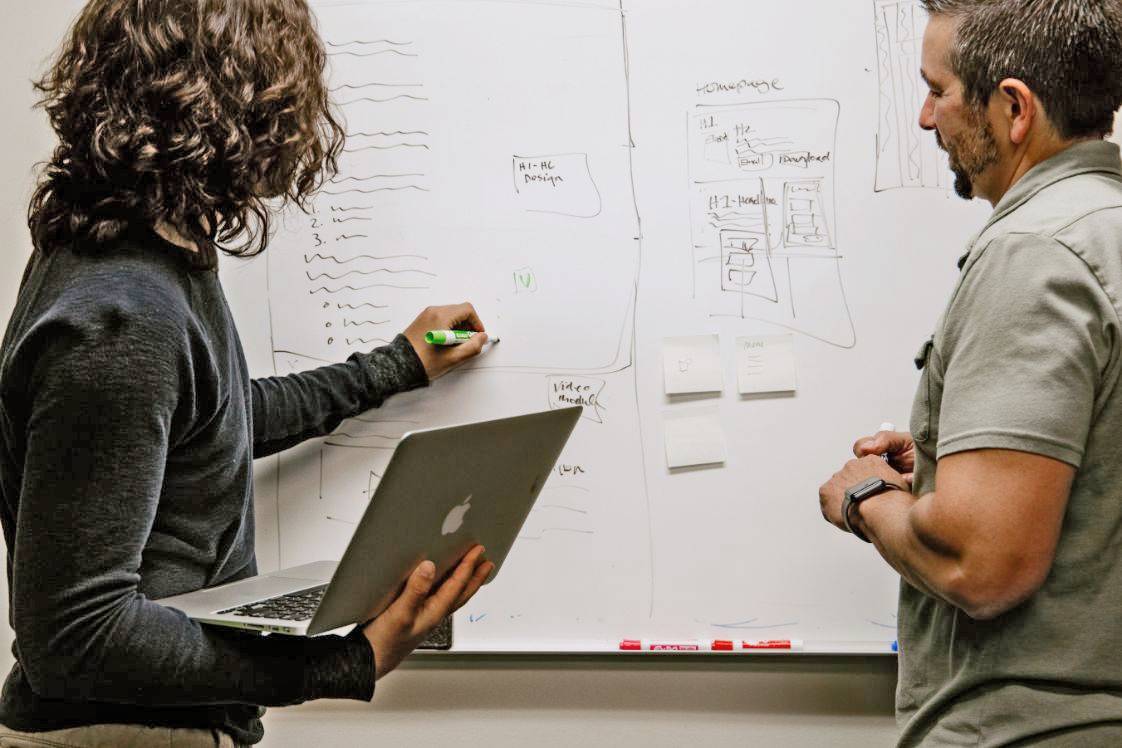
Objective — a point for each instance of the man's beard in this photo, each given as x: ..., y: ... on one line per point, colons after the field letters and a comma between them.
x: 970, y: 154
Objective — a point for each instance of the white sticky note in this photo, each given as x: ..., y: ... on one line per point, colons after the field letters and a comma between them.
x: 766, y: 363
x: 692, y: 364
x: 694, y: 437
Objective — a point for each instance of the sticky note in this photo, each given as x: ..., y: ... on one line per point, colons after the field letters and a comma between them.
x: 692, y: 364
x: 766, y: 363
x: 694, y: 437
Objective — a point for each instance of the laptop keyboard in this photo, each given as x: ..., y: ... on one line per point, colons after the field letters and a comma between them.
x: 294, y: 606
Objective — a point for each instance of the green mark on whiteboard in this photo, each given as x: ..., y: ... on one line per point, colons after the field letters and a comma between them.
x: 525, y: 281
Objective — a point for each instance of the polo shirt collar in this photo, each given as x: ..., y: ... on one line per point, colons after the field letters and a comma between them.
x: 1095, y: 156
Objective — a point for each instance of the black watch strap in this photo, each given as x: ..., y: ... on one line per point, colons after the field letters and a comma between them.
x: 847, y: 509
x: 862, y: 491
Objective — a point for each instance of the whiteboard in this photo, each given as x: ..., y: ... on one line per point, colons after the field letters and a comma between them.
x: 596, y: 177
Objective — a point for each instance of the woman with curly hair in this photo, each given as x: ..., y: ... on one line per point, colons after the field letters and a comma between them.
x: 128, y: 421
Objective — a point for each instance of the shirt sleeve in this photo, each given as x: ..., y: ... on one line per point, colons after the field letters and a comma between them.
x: 103, y: 396
x: 291, y: 409
x: 1029, y: 339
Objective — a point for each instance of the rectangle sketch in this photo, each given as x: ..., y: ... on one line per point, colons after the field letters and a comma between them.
x: 906, y: 156
x: 426, y: 176
x: 561, y: 184
x: 423, y: 211
x: 762, y: 205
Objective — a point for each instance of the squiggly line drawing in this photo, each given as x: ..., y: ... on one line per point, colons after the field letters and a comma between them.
x: 359, y: 87
x: 379, y: 189
x: 372, y: 54
x: 367, y: 341
x: 372, y: 100
x: 337, y: 261
x: 336, y: 180
x: 357, y: 306
x: 386, y: 147
x: 371, y: 42
x: 387, y: 134
x: 325, y: 289
x: 340, y: 209
x: 329, y: 276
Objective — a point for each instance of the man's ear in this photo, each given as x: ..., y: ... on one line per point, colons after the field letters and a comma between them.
x: 1018, y: 107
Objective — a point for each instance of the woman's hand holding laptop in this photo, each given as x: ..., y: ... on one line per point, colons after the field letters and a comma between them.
x: 418, y: 610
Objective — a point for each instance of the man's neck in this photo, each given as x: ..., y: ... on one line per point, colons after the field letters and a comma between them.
x: 1033, y: 156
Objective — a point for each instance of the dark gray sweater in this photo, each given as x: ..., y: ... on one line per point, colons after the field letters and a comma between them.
x: 128, y: 429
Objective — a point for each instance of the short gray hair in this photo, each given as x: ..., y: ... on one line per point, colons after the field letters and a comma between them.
x: 1069, y: 52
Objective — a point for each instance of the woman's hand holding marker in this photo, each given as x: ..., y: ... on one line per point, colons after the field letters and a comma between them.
x: 439, y: 358
x: 449, y: 337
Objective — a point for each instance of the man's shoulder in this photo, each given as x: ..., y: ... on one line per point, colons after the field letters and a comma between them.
x: 1070, y: 210
x: 1074, y: 220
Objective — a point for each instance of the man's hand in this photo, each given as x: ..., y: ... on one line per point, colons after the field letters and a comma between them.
x: 416, y: 612
x: 832, y: 493
x: 438, y: 359
x: 898, y: 445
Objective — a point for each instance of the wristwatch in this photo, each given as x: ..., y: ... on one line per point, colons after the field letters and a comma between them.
x: 854, y: 495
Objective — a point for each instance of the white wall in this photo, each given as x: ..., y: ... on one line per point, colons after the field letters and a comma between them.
x: 493, y: 701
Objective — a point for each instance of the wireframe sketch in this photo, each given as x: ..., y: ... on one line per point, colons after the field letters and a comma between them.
x: 560, y: 184
x: 426, y: 178
x: 906, y: 155
x: 763, y: 216
x: 423, y: 211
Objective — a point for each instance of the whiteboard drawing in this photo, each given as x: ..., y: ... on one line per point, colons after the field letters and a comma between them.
x: 762, y: 185
x: 525, y: 281
x: 567, y: 391
x: 905, y: 155
x: 423, y: 211
x: 425, y: 178
x: 560, y: 184
x: 444, y: 101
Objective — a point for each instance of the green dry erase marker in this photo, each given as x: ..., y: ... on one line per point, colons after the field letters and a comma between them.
x: 448, y: 337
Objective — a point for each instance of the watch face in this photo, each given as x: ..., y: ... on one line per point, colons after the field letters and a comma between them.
x: 866, y: 489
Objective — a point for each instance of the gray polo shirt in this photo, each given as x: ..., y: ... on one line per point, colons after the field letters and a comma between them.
x: 1026, y: 357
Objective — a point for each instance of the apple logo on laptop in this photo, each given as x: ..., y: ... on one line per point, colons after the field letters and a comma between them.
x: 455, y: 519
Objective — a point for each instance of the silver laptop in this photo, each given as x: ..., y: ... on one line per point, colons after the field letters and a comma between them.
x: 444, y: 491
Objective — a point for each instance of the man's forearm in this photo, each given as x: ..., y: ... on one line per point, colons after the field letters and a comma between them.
x: 894, y: 523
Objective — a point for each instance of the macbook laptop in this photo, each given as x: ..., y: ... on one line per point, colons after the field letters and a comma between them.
x: 444, y: 491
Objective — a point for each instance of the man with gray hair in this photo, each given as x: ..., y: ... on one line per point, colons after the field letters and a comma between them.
x: 1009, y: 543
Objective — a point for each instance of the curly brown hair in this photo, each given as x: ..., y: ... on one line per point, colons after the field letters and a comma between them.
x: 194, y: 115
